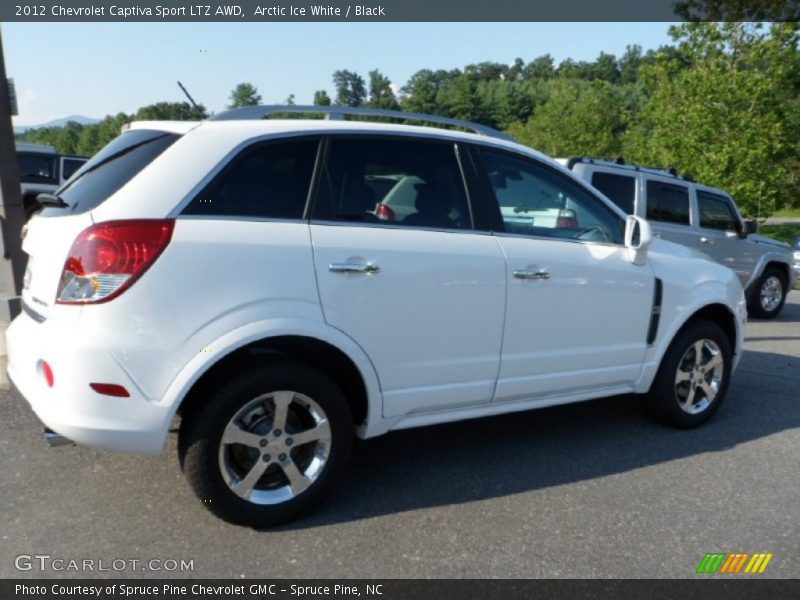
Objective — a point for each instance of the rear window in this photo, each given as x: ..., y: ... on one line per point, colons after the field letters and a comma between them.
x: 620, y: 189
x: 111, y: 168
x: 37, y: 168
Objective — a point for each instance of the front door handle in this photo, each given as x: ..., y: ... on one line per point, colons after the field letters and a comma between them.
x: 523, y: 274
x: 353, y: 268
x: 706, y: 240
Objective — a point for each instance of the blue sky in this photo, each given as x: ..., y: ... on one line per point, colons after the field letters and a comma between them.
x: 94, y: 69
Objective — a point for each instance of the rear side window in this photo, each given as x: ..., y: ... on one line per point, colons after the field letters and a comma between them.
x: 111, y: 168
x: 715, y: 212
x: 37, y: 168
x: 620, y: 189
x: 397, y: 181
x: 668, y: 203
x: 265, y: 181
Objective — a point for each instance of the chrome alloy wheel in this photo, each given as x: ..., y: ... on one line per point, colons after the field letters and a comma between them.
x: 771, y: 293
x: 699, y: 376
x: 275, y: 447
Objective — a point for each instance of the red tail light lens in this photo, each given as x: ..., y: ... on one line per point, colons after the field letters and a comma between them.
x: 107, y: 258
x: 384, y: 213
x: 567, y: 218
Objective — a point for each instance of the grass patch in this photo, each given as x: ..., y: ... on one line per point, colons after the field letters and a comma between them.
x: 787, y: 213
x: 784, y: 232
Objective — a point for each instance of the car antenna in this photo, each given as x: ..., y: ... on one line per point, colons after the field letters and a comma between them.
x: 189, y: 96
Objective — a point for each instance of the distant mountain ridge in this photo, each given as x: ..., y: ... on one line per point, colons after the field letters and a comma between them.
x: 57, y: 123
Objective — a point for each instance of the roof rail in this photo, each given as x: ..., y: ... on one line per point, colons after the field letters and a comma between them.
x: 620, y: 161
x: 338, y: 113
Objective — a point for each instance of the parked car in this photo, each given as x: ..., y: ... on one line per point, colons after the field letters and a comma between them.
x: 797, y: 257
x: 42, y: 170
x: 235, y: 272
x: 700, y: 217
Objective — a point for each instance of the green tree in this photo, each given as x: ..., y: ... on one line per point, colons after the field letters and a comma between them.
x: 350, y: 88
x: 579, y: 118
x: 728, y: 118
x: 171, y: 111
x: 321, y: 98
x: 381, y: 94
x: 244, y: 94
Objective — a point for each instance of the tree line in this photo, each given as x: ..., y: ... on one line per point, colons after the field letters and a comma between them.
x: 721, y: 103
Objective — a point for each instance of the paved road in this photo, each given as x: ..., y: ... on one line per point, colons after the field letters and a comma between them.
x: 593, y: 490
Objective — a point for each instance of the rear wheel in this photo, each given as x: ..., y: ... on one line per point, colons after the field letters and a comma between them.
x: 694, y: 375
x: 769, y: 294
x: 267, y: 446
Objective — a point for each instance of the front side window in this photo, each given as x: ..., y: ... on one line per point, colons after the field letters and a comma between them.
x: 667, y: 202
x: 715, y: 212
x: 269, y: 180
x: 399, y: 182
x: 37, y: 168
x: 534, y: 200
x: 620, y: 189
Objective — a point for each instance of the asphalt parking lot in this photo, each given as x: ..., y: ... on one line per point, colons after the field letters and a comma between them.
x: 589, y: 490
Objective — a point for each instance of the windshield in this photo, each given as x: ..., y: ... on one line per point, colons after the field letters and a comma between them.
x: 111, y: 168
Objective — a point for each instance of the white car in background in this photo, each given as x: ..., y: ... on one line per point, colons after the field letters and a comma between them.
x: 238, y: 272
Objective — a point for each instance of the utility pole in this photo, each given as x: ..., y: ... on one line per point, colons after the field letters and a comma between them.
x: 12, y: 217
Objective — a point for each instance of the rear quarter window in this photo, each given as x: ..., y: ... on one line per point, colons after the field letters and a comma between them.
x: 269, y: 180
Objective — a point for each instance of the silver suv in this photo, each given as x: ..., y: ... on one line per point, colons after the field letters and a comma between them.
x: 701, y: 217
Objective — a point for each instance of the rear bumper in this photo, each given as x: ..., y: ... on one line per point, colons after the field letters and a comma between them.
x: 70, y: 407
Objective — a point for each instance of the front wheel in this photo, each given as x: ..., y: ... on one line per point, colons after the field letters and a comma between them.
x: 769, y: 294
x: 267, y: 446
x: 694, y: 375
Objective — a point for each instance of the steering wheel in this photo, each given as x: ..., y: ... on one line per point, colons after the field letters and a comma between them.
x: 590, y: 234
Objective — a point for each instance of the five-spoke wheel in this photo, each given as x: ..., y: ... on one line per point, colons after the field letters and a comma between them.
x: 265, y: 446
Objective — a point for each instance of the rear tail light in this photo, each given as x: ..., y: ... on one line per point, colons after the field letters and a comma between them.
x: 567, y: 218
x: 107, y: 258
x: 384, y: 213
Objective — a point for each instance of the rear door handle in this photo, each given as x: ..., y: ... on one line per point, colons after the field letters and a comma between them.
x: 353, y: 268
x: 706, y: 240
x: 523, y: 274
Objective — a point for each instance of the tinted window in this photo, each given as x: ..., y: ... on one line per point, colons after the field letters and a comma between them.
x: 620, y: 189
x: 401, y: 182
x: 534, y: 200
x: 266, y: 181
x: 37, y: 168
x: 716, y: 212
x: 666, y: 202
x: 69, y: 166
x: 111, y: 168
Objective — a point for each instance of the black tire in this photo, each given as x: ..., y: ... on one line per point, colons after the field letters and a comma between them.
x: 666, y: 395
x: 755, y: 308
x: 201, y: 450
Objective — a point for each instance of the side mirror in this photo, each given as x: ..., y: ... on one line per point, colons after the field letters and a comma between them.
x: 638, y: 237
x: 748, y: 227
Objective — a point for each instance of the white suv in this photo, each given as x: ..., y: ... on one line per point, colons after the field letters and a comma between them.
x: 239, y: 272
x: 700, y: 217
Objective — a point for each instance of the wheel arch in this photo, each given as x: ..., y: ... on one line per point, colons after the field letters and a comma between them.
x: 311, y: 343
x: 317, y: 354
